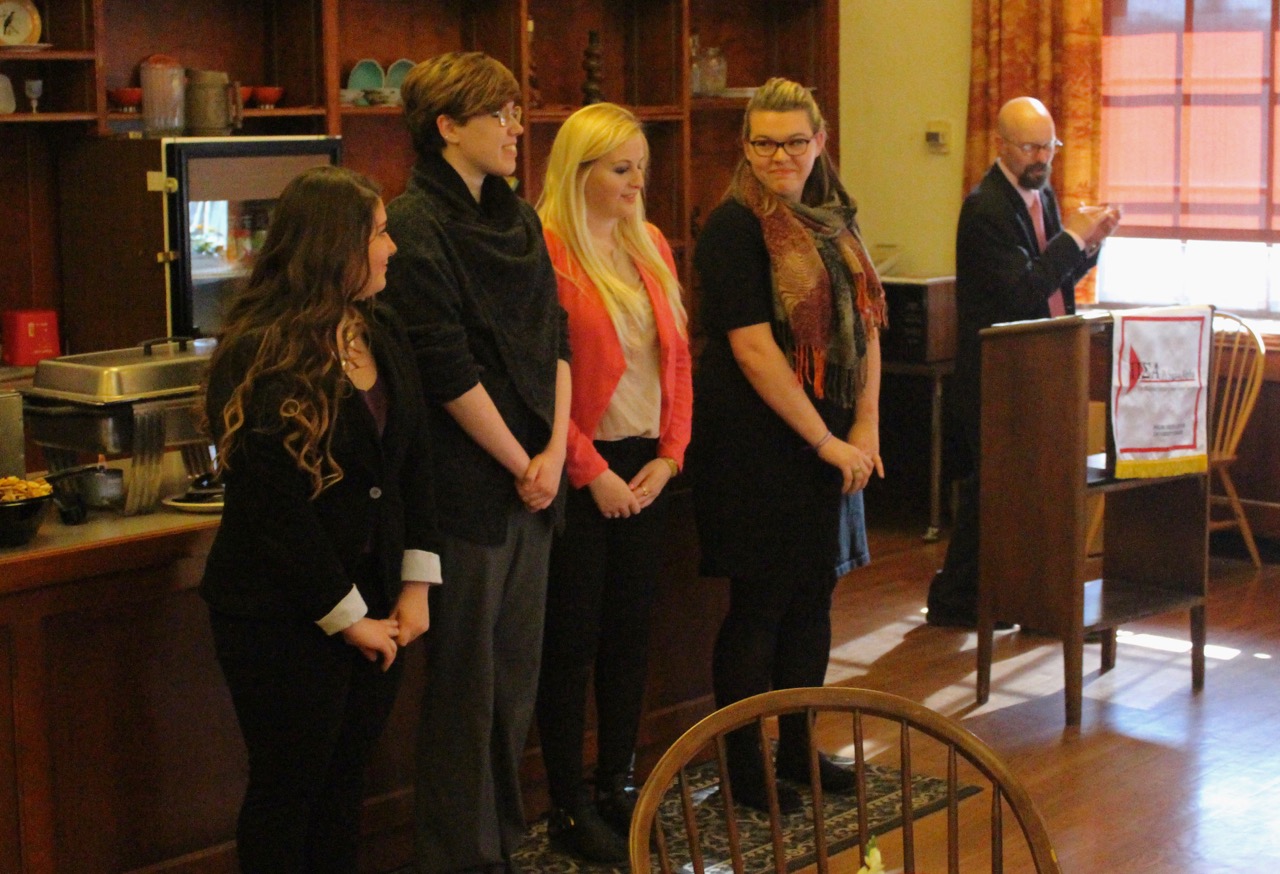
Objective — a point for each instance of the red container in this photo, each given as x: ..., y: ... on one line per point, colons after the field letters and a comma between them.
x: 29, y: 336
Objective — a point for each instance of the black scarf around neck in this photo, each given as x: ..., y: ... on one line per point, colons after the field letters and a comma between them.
x: 499, y: 239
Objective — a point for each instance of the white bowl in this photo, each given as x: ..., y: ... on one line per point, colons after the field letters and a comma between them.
x: 352, y: 96
x: 382, y: 96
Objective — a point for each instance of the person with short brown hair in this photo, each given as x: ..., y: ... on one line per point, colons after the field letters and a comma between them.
x: 474, y: 283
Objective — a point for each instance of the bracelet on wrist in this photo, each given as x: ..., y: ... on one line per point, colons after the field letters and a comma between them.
x: 825, y: 437
x: 671, y: 463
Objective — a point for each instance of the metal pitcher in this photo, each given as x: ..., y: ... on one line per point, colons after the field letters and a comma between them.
x: 213, y: 104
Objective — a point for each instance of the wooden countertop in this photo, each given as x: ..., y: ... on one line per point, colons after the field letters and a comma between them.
x: 106, y: 542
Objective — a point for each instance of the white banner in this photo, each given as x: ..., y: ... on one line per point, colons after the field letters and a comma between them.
x: 1160, y: 390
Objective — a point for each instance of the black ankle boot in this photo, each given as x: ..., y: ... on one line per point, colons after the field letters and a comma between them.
x: 582, y: 833
x: 616, y: 802
x: 836, y: 779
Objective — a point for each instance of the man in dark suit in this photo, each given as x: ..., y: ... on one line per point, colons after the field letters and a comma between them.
x: 1016, y: 259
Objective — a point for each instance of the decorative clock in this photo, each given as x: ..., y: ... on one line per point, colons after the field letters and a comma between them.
x: 19, y: 23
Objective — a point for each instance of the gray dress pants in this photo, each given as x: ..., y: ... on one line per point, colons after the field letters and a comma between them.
x: 483, y: 652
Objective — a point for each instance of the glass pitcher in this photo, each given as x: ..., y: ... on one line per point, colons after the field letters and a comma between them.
x: 164, y: 88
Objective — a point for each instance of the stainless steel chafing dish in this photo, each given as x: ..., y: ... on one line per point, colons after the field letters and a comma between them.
x: 137, y: 402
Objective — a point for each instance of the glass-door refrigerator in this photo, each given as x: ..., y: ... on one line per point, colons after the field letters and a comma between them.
x: 156, y: 234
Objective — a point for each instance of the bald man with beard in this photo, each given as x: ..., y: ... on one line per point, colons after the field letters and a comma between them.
x: 1011, y: 265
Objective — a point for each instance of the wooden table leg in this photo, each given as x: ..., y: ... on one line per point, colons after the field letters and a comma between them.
x: 1073, y: 674
x: 1197, y: 647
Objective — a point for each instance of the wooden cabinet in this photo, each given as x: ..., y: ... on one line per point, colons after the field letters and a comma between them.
x: 1036, y: 477
x: 310, y: 46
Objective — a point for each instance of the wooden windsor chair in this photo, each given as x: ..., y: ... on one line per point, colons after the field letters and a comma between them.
x: 878, y: 723
x: 1238, y: 363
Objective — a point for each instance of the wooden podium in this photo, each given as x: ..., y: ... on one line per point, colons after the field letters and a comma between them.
x: 1035, y: 476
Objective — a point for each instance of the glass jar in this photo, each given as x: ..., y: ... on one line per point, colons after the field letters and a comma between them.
x: 164, y: 88
x: 714, y: 72
x: 695, y: 66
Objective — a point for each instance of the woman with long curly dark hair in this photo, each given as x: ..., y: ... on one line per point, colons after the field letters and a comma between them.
x: 320, y: 569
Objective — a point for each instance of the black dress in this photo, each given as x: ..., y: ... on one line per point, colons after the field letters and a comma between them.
x: 765, y: 504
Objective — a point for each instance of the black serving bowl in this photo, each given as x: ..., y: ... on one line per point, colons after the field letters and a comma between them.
x: 20, y: 520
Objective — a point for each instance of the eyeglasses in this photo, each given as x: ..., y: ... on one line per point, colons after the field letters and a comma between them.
x: 795, y: 147
x: 1030, y: 150
x: 508, y: 114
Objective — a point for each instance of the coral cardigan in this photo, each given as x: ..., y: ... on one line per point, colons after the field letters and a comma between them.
x: 598, y: 362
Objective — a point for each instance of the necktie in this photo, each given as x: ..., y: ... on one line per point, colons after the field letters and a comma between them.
x: 1056, y: 305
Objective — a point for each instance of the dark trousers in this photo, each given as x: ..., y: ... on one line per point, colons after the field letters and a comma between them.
x: 776, y: 635
x: 954, y: 589
x: 603, y: 575
x: 483, y: 650
x: 310, y: 708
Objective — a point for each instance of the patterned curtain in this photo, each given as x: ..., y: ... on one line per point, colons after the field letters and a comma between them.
x: 1050, y: 49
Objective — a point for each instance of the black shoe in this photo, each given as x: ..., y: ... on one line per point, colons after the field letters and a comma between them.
x: 836, y: 780
x: 751, y: 793
x: 943, y: 618
x: 582, y: 833
x: 616, y: 808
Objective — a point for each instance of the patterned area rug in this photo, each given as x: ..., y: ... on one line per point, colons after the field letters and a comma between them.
x: 929, y: 796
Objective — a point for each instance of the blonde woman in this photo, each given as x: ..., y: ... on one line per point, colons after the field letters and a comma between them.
x: 628, y: 429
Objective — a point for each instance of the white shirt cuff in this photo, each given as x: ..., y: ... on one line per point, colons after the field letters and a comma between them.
x: 1079, y: 239
x: 345, y: 614
x: 420, y: 566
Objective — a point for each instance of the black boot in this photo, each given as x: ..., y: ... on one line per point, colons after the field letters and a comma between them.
x: 746, y: 774
x: 579, y: 831
x: 616, y: 801
x: 836, y: 779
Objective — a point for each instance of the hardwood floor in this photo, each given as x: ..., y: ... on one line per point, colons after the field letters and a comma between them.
x: 1155, y: 779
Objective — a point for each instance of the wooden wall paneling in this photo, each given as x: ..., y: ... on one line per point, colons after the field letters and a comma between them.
x: 30, y: 278
x: 147, y: 760
x: 535, y: 147
x: 664, y: 189
x: 31, y: 739
x: 226, y: 35
x: 294, y: 51
x: 68, y: 25
x: 560, y: 42
x: 10, y: 831
x: 497, y: 28
x: 655, y: 51
x: 388, y: 32
x: 114, y: 288
x: 715, y: 149
x: 1257, y: 470
x: 379, y: 146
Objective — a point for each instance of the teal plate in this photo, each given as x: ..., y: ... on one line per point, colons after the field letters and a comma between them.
x: 397, y: 71
x: 366, y: 74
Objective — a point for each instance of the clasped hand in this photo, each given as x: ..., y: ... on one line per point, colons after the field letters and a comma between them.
x: 854, y: 463
x: 1093, y: 224
x: 618, y: 499
x: 541, y: 481
x: 374, y: 638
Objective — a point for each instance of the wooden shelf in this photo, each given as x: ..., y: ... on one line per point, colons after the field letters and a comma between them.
x: 48, y: 55
x: 557, y: 114
x: 285, y: 112
x: 349, y: 109
x: 21, y: 117
x: 1113, y: 601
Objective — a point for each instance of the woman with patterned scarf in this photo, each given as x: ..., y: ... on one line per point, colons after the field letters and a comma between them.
x: 786, y: 416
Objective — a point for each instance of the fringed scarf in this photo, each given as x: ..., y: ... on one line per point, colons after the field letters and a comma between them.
x: 822, y: 276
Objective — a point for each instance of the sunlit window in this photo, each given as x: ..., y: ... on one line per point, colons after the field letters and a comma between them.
x: 1189, y: 121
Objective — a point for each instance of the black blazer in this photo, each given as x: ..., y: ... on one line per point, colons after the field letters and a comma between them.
x: 1000, y: 275
x: 279, y: 553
